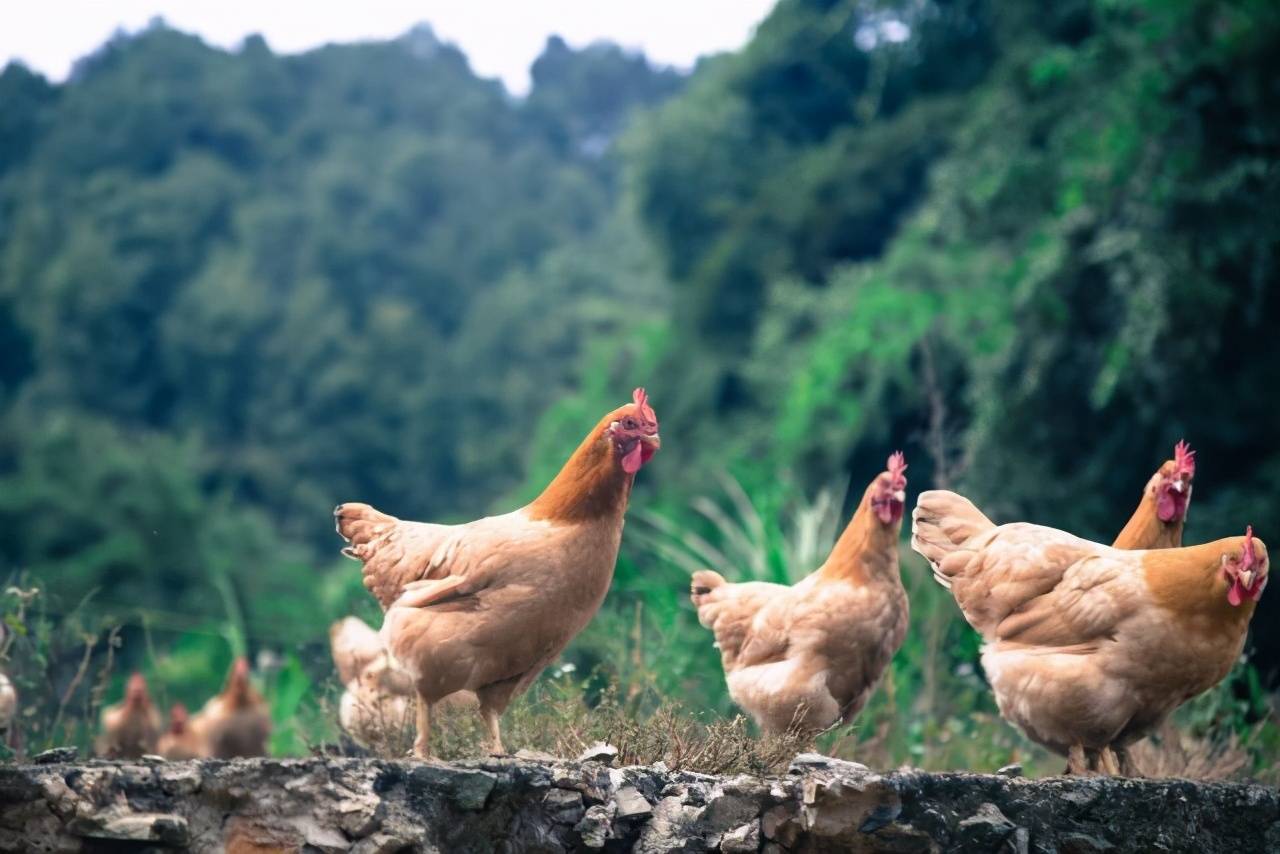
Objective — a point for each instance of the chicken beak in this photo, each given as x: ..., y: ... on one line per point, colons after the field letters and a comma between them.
x: 1178, y: 486
x: 653, y: 440
x: 900, y: 496
x: 1246, y: 578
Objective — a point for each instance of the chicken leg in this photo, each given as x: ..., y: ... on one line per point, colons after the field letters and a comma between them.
x: 491, y: 716
x: 422, y: 744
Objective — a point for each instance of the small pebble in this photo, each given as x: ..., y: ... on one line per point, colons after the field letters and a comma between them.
x: 1014, y: 770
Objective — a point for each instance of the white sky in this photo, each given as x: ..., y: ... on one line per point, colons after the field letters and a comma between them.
x: 501, y: 38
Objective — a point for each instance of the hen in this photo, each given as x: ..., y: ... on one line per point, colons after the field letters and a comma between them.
x: 180, y: 741
x: 236, y: 722
x: 1157, y: 523
x: 377, y: 700
x: 130, y: 728
x: 486, y: 605
x: 1088, y: 647
x: 354, y: 645
x: 804, y: 657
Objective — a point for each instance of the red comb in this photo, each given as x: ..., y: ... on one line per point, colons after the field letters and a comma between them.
x: 1184, y: 459
x: 1249, y: 556
x: 897, y: 464
x: 641, y: 400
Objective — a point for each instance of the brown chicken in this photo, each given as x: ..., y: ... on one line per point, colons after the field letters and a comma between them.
x: 485, y: 606
x: 378, y: 705
x: 1087, y: 647
x: 180, y: 741
x: 236, y: 722
x: 355, y: 645
x: 1157, y: 523
x: 378, y: 697
x: 802, y: 658
x: 130, y: 728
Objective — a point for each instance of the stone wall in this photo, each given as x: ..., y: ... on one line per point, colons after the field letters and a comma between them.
x: 540, y: 804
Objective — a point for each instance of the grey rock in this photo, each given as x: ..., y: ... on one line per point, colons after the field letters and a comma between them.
x: 1083, y: 843
x: 376, y: 806
x: 468, y: 788
x: 670, y: 830
x: 594, y: 826
x: 564, y: 806
x: 381, y: 843
x: 806, y: 762
x: 986, y: 828
x: 599, y: 752
x: 741, y: 840
x: 140, y: 827
x: 630, y: 803
x: 728, y: 808
x: 55, y: 755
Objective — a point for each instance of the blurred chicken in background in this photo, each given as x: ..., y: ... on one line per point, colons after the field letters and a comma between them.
x: 236, y: 722
x: 180, y: 741
x: 131, y: 727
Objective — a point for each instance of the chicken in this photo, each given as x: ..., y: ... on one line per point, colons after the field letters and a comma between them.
x: 130, y: 728
x: 486, y: 605
x: 355, y: 645
x: 180, y: 741
x: 1088, y: 647
x: 373, y: 711
x: 8, y: 707
x: 377, y: 701
x: 236, y: 722
x: 802, y: 658
x: 1157, y: 523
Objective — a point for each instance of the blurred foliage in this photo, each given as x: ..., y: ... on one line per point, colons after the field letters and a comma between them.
x: 1030, y: 245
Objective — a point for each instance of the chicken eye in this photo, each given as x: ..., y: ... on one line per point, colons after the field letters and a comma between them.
x: 629, y: 423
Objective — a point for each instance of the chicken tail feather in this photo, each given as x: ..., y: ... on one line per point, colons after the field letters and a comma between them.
x: 941, y: 524
x: 362, y: 527
x: 703, y: 583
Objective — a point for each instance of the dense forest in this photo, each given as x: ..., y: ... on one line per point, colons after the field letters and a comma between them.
x: 1032, y: 246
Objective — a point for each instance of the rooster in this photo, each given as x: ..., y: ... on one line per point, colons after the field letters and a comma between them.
x: 486, y: 605
x: 236, y: 722
x: 130, y: 728
x: 180, y: 741
x: 802, y: 658
x: 1088, y: 648
x: 1157, y: 523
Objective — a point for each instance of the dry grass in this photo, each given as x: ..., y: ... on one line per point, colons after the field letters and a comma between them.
x: 1176, y: 752
x: 557, y: 720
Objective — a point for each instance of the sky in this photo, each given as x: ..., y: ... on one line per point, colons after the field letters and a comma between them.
x: 500, y: 37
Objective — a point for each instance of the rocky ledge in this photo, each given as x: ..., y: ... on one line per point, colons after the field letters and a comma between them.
x: 541, y: 804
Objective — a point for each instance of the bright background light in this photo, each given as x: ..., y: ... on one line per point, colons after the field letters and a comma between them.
x: 500, y: 37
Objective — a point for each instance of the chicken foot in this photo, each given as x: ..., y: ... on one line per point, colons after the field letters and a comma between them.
x: 1082, y: 761
x: 1128, y: 768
